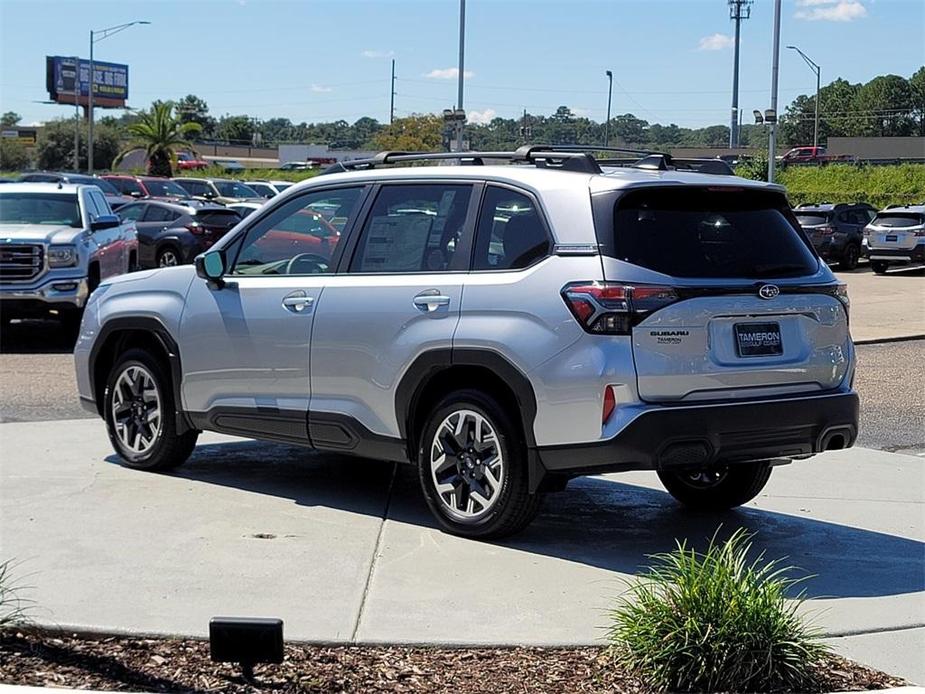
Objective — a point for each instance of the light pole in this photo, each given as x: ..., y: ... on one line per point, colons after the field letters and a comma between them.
x: 738, y: 10
x: 815, y: 68
x: 96, y: 36
x: 775, y: 69
x: 609, y: 99
x: 461, y: 124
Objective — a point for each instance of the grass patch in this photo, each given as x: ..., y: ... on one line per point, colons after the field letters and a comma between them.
x: 13, y: 607
x: 716, y: 621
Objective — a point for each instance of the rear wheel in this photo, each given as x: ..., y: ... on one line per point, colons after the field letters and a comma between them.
x: 879, y: 266
x: 850, y: 257
x: 472, y: 466
x: 168, y: 257
x: 140, y: 415
x: 717, y: 489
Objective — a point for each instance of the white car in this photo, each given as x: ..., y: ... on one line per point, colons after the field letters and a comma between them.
x: 269, y: 189
x: 896, y: 237
x: 245, y: 208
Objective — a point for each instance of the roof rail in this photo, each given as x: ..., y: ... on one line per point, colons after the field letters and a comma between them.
x: 563, y: 157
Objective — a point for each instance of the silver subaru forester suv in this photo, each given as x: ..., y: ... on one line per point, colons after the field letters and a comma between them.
x: 503, y: 327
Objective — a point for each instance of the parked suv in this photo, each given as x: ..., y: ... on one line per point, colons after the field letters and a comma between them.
x: 896, y: 237
x: 57, y: 241
x: 175, y: 233
x: 220, y: 190
x: 501, y: 327
x: 837, y: 231
x: 155, y: 187
x: 113, y: 196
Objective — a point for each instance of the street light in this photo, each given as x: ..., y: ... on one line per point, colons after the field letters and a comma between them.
x: 96, y: 36
x: 815, y: 68
x: 609, y: 98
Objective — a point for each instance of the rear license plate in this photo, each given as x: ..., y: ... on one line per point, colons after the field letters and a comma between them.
x: 890, y: 238
x: 758, y: 339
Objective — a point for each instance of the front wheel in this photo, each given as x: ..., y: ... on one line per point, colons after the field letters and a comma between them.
x: 472, y: 466
x: 717, y: 489
x: 879, y: 266
x: 140, y: 414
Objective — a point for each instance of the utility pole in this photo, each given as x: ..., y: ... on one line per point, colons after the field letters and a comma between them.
x: 525, y: 130
x: 738, y: 10
x: 90, y: 112
x: 609, y: 74
x: 76, y: 114
x: 461, y: 124
x: 775, y: 69
x: 392, y: 95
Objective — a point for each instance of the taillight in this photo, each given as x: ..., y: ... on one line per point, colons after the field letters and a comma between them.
x: 610, y: 308
x: 610, y: 404
x: 826, y: 231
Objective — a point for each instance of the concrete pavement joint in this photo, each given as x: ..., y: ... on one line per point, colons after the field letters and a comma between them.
x: 375, y: 557
x: 873, y: 630
x: 888, y: 340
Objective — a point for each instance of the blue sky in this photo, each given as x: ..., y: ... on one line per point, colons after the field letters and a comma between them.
x: 312, y: 60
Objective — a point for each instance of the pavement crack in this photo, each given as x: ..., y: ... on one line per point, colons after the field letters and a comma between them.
x: 375, y: 555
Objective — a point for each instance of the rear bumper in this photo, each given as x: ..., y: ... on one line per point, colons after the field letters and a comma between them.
x: 916, y: 254
x: 670, y: 437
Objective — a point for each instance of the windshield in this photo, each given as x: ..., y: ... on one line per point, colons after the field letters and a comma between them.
x: 233, y: 189
x: 710, y: 233
x: 899, y: 219
x: 56, y: 209
x: 282, y: 186
x: 100, y: 183
x: 164, y: 188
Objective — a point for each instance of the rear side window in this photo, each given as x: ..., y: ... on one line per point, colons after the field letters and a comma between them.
x: 218, y: 218
x: 899, y: 219
x: 709, y: 233
x: 413, y: 228
x: 510, y: 233
x: 156, y: 213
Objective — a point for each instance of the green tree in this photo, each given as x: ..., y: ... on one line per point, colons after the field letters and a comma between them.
x: 235, y: 129
x: 9, y: 119
x: 192, y: 109
x: 415, y: 133
x: 160, y: 133
x: 917, y: 86
x: 13, y: 154
x: 886, y: 106
x: 630, y: 129
x: 55, y: 147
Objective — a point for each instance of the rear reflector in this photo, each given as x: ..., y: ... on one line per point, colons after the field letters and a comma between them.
x: 611, y: 308
x: 610, y: 404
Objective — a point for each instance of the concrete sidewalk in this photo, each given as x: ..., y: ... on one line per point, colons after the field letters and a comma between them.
x: 885, y: 307
x: 344, y: 550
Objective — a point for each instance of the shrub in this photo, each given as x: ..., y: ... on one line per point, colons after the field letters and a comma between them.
x: 13, y: 607
x: 715, y: 621
x: 13, y: 154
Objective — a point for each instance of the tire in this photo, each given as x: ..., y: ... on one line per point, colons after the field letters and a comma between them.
x: 166, y: 449
x: 70, y: 320
x: 503, y: 484
x: 168, y: 257
x: 850, y: 257
x: 879, y: 266
x: 717, y: 490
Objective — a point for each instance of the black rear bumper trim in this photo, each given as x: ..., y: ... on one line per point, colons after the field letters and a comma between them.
x: 704, y: 435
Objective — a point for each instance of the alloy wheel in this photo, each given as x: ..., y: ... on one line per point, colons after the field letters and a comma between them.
x: 467, y: 465
x: 136, y: 409
x: 168, y: 259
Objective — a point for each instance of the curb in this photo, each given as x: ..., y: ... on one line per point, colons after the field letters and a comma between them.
x: 888, y: 340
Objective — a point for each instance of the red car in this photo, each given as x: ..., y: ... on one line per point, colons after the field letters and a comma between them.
x: 187, y: 161
x: 153, y: 187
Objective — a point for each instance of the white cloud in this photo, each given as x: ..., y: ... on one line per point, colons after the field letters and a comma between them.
x: 377, y: 54
x: 481, y: 117
x: 321, y: 89
x: 831, y: 10
x: 450, y: 73
x: 715, y: 42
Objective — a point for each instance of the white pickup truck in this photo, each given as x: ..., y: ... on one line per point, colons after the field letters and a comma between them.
x: 57, y: 241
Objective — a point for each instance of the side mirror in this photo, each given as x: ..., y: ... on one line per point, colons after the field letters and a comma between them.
x: 210, y: 266
x: 105, y: 221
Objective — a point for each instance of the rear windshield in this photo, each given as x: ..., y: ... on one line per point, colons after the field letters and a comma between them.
x: 899, y: 219
x: 218, y: 218
x: 709, y: 233
x: 232, y: 189
x: 59, y: 209
x: 164, y: 188
x: 811, y: 220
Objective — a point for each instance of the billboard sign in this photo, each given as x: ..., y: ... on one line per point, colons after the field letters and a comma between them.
x: 68, y: 78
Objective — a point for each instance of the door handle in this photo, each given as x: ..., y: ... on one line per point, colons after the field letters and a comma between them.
x: 297, y: 302
x: 430, y: 300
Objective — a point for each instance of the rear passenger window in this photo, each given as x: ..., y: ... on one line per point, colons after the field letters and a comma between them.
x: 413, y: 228
x: 160, y: 214
x: 510, y: 234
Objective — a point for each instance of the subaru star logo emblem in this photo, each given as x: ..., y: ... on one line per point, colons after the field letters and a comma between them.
x: 768, y: 291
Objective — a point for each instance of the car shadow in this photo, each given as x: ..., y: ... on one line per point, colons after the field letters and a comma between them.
x: 598, y: 522
x: 36, y: 337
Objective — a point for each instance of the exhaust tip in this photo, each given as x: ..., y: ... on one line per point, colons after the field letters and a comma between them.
x: 836, y: 439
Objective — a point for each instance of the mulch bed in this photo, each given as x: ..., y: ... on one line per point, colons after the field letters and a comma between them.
x: 55, y: 659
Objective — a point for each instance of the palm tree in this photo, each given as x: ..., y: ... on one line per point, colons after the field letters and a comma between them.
x: 161, y: 133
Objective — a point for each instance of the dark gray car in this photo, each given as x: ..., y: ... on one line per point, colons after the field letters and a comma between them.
x: 836, y: 231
